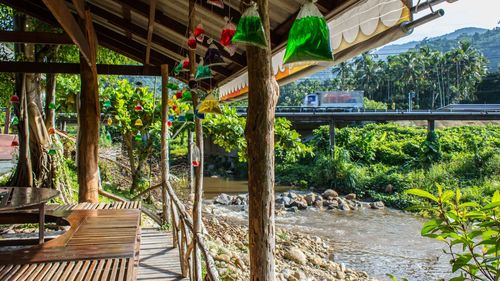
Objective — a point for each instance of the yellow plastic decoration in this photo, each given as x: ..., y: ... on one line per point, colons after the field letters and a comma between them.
x: 210, y: 105
x: 138, y: 122
x: 109, y: 121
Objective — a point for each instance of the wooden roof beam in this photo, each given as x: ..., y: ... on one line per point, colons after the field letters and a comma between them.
x: 35, y: 37
x: 151, y: 24
x: 60, y: 11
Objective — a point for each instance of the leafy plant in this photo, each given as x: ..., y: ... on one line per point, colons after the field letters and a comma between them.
x: 470, y: 230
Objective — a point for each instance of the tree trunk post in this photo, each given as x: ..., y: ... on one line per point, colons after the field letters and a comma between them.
x: 164, y: 145
x: 50, y: 98
x: 262, y: 97
x: 190, y: 160
x: 198, y: 179
x: 88, y: 121
x: 7, y: 120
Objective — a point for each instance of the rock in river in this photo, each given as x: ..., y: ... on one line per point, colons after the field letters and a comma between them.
x: 296, y: 255
x: 330, y: 194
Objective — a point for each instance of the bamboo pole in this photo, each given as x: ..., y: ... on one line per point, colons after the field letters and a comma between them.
x: 262, y: 98
x: 164, y: 145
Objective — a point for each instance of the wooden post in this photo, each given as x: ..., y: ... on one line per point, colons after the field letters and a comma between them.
x: 50, y: 97
x: 164, y: 145
x: 88, y: 120
x: 190, y: 160
x: 262, y: 97
x: 198, y: 181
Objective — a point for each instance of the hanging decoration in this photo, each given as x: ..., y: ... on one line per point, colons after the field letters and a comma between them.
x: 191, y: 42
x: 187, y: 96
x: 51, y: 131
x: 199, y: 32
x: 200, y: 115
x: 14, y: 121
x: 182, y: 117
x: 109, y: 121
x: 52, y: 150
x: 169, y: 124
x: 52, y: 106
x: 190, y: 115
x: 178, y: 69
x: 250, y: 30
x: 178, y: 95
x: 14, y: 143
x: 138, y: 107
x: 185, y: 64
x: 196, y: 160
x: 231, y: 49
x: 173, y: 86
x: 138, y: 137
x: 202, y: 72
x: 171, y: 118
x: 228, y: 32
x: 108, y: 136
x: 138, y: 122
x: 210, y: 105
x: 14, y: 99
x: 107, y: 104
x: 217, y: 3
x: 213, y: 56
x: 309, y: 38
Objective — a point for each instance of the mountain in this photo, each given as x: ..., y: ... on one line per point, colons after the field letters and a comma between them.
x: 487, y: 41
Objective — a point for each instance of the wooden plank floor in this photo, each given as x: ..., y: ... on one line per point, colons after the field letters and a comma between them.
x: 158, y: 259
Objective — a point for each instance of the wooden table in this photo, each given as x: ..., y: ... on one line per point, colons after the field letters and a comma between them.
x: 26, y: 198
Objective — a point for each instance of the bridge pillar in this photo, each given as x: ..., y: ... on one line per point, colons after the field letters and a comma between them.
x: 431, y: 125
x: 332, y: 136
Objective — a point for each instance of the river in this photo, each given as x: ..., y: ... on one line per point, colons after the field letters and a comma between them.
x: 376, y: 241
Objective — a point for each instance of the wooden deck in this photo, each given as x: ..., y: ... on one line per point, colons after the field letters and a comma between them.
x: 102, y: 244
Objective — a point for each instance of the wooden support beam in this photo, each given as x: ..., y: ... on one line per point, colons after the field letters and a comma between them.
x: 74, y: 68
x: 35, y: 37
x: 69, y: 24
x: 151, y: 24
x: 165, y: 167
x: 79, y: 7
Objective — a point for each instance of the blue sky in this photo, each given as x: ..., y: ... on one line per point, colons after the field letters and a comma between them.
x: 463, y: 13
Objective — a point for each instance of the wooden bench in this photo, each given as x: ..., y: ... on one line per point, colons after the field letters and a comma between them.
x: 102, y: 243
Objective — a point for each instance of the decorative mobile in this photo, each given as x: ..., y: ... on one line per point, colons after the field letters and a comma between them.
x: 51, y: 131
x: 138, y: 107
x: 199, y: 32
x: 14, y: 99
x: 309, y: 38
x: 169, y: 124
x: 196, y: 160
x: 108, y: 136
x: 202, y: 72
x: 138, y: 123
x: 14, y: 121
x: 250, y: 30
x: 217, y: 3
x: 210, y: 105
x: 185, y: 64
x: 213, y: 56
x: 191, y: 42
x: 171, y: 118
x: 200, y: 115
x: 228, y: 32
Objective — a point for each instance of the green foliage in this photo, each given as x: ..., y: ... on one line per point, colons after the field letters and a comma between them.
x: 373, y: 105
x: 469, y: 229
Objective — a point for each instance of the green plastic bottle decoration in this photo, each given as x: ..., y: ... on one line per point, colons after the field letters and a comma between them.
x: 187, y: 96
x: 178, y: 68
x: 15, y: 121
x: 309, y: 38
x: 108, y: 136
x: 138, y: 137
x: 107, y: 104
x: 52, y: 106
x: 52, y: 150
x: 190, y: 116
x: 250, y: 30
x: 173, y: 86
x: 202, y: 72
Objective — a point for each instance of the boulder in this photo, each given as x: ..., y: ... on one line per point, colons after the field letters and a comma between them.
x: 284, y: 200
x: 330, y: 194
x: 223, y: 199
x: 292, y: 195
x: 331, y: 204
x: 377, y: 205
x: 350, y: 196
x: 296, y: 255
x: 344, y: 206
x: 300, y: 203
x: 310, y: 198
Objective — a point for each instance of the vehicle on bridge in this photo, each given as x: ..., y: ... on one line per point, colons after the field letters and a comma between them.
x: 335, y: 101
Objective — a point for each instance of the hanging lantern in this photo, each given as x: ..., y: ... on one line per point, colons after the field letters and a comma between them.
x: 107, y: 104
x: 171, y: 118
x: 250, y: 30
x: 14, y: 143
x: 138, y: 137
x: 138, y: 107
x: 228, y: 32
x: 196, y: 156
x: 202, y: 72
x: 52, y: 106
x: 51, y: 131
x: 178, y: 95
x: 174, y: 107
x: 191, y: 42
x: 138, y: 123
x: 213, y: 56
x: 190, y: 116
x: 14, y: 99
x: 187, y: 96
x: 210, y: 105
x: 217, y: 3
x: 109, y: 121
x: 309, y: 38
x: 173, y: 86
x: 14, y: 120
x: 185, y: 64
x: 199, y: 32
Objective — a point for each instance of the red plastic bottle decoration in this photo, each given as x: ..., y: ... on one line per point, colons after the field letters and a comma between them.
x: 138, y: 107
x: 169, y: 124
x: 217, y: 3
x: 228, y: 32
x: 51, y: 131
x: 191, y: 42
x: 14, y: 99
x: 199, y: 32
x: 185, y: 64
x: 178, y: 95
x: 196, y: 160
x: 14, y: 143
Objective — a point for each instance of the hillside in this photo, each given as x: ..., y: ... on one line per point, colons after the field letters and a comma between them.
x: 487, y: 41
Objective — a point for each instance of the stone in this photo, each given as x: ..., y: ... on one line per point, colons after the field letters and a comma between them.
x: 292, y: 195
x: 344, y: 206
x: 318, y: 204
x: 377, y: 205
x: 389, y: 188
x: 317, y: 261
x: 300, y: 203
x: 299, y: 275
x: 223, y: 257
x: 284, y: 200
x: 350, y: 196
x: 293, y: 209
x: 310, y: 198
x: 296, y: 255
x: 223, y: 199
x: 287, y: 273
x: 330, y: 194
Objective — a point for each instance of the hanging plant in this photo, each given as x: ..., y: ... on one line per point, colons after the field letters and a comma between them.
x: 14, y: 99
x: 108, y: 136
x: 106, y: 104
x: 52, y: 150
x: 227, y: 33
x: 173, y: 86
x: 199, y: 32
x: 309, y: 38
x: 250, y: 30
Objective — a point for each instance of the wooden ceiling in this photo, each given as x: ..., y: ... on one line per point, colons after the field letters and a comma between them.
x: 154, y: 32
